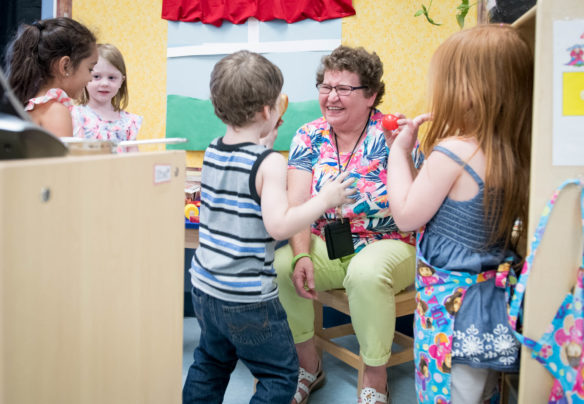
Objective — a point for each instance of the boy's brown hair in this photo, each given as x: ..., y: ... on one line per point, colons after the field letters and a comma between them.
x: 242, y: 84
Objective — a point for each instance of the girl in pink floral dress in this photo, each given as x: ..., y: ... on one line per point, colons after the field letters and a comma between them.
x: 48, y: 62
x: 101, y: 114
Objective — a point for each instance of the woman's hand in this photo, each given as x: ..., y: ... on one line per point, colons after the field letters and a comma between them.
x: 303, y: 278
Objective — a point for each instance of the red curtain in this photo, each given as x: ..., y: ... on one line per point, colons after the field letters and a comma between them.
x: 238, y: 11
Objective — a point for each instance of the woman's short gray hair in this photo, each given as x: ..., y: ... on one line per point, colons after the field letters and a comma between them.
x: 366, y: 65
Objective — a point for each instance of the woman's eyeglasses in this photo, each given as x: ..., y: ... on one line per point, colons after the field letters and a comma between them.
x: 341, y: 90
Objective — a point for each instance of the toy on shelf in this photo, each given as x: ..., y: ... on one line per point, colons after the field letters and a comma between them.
x: 192, y: 185
x: 192, y: 212
x: 192, y: 194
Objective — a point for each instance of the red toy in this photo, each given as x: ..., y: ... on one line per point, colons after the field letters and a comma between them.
x: 389, y: 122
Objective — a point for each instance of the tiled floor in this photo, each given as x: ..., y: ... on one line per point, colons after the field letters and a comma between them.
x: 341, y: 380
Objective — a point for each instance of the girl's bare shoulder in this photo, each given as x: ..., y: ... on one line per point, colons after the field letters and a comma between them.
x: 54, y: 117
x: 463, y: 147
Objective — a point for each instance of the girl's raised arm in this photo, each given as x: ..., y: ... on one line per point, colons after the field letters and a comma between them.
x: 414, y: 199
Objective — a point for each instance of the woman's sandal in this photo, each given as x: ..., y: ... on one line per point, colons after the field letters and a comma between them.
x: 370, y: 396
x: 315, y: 381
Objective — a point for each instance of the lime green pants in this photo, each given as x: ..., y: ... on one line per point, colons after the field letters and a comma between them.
x: 371, y: 278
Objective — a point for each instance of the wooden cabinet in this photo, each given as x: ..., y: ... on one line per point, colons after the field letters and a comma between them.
x: 560, y: 253
x: 91, y: 287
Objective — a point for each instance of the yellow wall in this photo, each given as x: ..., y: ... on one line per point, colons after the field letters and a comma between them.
x: 138, y: 31
x: 405, y: 44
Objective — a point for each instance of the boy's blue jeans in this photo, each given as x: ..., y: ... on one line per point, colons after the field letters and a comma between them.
x: 257, y: 334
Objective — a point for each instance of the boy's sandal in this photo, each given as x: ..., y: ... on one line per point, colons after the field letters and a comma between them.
x: 315, y: 381
x: 370, y: 396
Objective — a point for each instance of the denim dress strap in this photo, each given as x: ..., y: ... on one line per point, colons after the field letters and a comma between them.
x: 467, y: 168
x: 464, y: 165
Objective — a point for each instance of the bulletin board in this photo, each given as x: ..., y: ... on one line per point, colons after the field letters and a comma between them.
x: 194, y: 48
x: 568, y: 95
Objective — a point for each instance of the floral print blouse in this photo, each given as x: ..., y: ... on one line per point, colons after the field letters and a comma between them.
x: 89, y: 125
x: 313, y: 149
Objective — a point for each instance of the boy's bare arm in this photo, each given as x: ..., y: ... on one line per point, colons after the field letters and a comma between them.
x: 283, y: 221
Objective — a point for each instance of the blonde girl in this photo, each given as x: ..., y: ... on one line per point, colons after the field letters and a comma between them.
x: 101, y: 113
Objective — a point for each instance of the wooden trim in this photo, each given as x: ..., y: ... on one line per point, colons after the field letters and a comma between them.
x: 526, y: 26
x: 336, y: 331
x: 335, y: 298
x: 191, y: 238
x: 350, y: 358
x: 403, y: 340
x: 401, y: 357
x: 64, y: 8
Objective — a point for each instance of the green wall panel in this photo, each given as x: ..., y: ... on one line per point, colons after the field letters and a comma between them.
x: 195, y: 120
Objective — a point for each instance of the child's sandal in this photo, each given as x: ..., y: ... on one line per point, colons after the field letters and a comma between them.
x: 315, y: 381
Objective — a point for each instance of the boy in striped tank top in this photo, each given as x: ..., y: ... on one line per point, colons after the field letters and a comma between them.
x: 244, y: 210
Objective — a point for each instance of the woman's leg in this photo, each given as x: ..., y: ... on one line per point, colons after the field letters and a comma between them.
x: 300, y: 311
x: 327, y: 275
x: 379, y: 271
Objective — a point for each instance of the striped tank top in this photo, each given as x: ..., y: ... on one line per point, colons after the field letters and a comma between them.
x: 234, y: 260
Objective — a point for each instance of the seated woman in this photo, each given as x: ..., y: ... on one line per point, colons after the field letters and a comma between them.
x: 348, y: 137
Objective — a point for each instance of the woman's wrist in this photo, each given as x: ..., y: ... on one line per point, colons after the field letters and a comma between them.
x: 297, y: 257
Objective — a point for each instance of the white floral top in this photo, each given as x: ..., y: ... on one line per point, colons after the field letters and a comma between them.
x: 54, y: 94
x: 88, y: 124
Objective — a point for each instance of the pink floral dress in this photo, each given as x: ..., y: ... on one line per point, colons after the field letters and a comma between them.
x: 54, y: 94
x: 89, y: 125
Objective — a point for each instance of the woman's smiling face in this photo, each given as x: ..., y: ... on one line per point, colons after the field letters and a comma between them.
x: 346, y: 111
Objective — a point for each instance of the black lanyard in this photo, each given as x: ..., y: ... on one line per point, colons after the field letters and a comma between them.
x: 354, y: 147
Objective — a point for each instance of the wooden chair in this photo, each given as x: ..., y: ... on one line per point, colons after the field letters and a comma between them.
x: 405, y: 303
